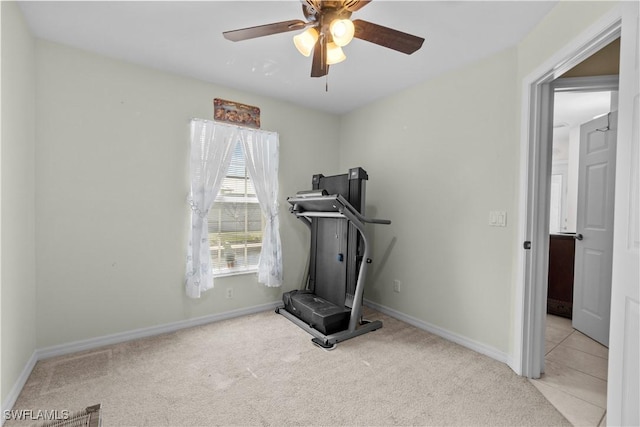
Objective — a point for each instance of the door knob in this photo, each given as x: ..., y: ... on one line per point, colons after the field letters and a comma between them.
x: 578, y: 236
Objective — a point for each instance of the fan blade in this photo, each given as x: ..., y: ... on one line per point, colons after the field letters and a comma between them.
x: 354, y: 5
x: 387, y: 37
x: 319, y: 65
x: 264, y: 30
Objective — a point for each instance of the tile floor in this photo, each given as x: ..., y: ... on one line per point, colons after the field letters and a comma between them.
x: 575, y: 378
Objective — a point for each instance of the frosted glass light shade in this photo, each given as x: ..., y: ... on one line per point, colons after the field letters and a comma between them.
x: 342, y: 31
x: 306, y: 40
x: 334, y: 54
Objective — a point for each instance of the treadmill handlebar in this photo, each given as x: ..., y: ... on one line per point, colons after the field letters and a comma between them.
x: 328, y: 206
x: 377, y: 221
x: 311, y: 193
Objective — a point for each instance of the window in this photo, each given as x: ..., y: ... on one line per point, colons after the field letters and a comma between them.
x: 252, y: 243
x: 235, y: 221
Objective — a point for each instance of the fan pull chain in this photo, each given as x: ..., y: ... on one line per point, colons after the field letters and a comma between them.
x: 323, y: 43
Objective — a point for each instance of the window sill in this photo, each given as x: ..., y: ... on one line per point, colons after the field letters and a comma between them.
x: 227, y: 272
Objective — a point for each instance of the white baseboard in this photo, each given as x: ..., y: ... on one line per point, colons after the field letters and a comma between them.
x: 19, y: 384
x: 448, y: 335
x: 92, y: 343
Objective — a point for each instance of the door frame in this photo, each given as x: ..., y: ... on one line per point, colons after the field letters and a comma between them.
x: 535, y: 181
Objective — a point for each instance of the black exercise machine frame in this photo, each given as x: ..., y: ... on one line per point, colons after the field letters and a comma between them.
x: 317, y: 204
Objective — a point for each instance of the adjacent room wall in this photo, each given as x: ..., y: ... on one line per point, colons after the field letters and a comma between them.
x: 18, y: 277
x: 112, y: 183
x: 440, y: 157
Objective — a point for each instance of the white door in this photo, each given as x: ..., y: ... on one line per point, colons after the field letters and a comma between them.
x: 623, y: 384
x: 594, y: 228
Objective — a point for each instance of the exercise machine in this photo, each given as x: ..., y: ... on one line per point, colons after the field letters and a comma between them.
x: 329, y: 305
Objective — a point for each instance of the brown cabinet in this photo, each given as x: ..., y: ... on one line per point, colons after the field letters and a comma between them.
x: 561, y: 263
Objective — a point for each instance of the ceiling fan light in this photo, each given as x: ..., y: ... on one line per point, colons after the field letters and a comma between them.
x: 306, y: 40
x: 334, y: 54
x: 342, y: 31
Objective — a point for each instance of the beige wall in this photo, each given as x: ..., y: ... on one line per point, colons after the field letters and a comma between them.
x: 18, y: 277
x: 441, y: 156
x: 564, y: 23
x: 112, y: 182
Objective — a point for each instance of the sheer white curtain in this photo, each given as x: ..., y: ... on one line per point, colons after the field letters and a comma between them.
x: 211, y: 150
x: 262, y: 152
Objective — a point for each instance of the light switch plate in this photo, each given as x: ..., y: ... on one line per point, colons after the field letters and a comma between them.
x: 498, y: 218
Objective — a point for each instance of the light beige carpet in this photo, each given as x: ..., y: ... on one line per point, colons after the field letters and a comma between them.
x: 263, y: 370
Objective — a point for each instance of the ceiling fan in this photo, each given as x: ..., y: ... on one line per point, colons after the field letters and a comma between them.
x: 328, y: 29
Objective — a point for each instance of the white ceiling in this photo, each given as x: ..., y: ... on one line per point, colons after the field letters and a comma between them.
x: 186, y: 38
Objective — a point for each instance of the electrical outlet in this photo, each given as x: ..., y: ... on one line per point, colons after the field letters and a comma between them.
x: 229, y: 293
x: 396, y: 285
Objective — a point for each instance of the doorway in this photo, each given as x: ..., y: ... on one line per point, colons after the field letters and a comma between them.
x: 567, y: 357
x: 584, y: 116
x: 575, y: 103
x: 623, y: 391
x: 576, y: 371
x: 537, y: 157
